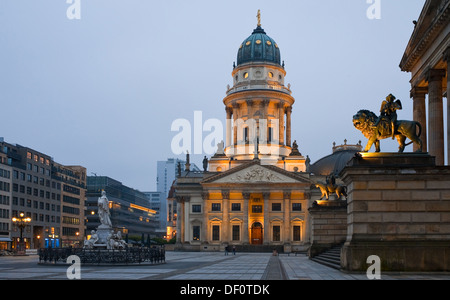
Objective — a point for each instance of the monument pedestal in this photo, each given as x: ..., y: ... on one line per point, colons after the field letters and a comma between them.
x: 399, y: 210
x: 328, y: 225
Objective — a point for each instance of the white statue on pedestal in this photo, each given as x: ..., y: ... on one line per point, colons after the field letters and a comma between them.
x: 103, y: 210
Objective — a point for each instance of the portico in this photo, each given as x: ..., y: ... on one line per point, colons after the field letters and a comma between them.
x: 426, y: 58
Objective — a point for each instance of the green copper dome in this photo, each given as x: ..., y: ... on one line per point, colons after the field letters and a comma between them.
x: 259, y: 47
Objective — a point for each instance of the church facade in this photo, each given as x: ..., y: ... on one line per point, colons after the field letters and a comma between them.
x: 256, y: 192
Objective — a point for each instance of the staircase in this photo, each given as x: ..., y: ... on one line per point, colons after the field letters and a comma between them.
x: 330, y: 258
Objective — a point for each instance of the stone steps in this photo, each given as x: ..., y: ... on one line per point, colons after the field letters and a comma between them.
x: 330, y: 258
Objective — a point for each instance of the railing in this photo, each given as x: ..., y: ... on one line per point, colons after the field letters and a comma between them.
x: 131, y: 255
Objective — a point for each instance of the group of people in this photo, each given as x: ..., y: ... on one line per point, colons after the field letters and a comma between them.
x: 227, y: 249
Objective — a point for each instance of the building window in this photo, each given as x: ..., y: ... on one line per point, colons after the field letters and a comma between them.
x: 276, y: 233
x: 276, y: 206
x: 297, y: 235
x: 235, y: 207
x: 196, y: 208
x: 270, y: 75
x: 245, y: 133
x: 296, y: 207
x: 216, y: 233
x: 270, y: 135
x: 236, y: 233
x: 196, y: 233
x: 215, y: 207
x: 257, y: 209
x: 245, y: 75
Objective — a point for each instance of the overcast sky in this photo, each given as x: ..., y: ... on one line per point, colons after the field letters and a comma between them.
x: 102, y: 91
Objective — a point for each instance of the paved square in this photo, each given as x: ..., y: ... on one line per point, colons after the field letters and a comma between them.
x: 198, y: 266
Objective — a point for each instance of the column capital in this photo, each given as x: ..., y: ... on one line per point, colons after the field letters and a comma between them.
x: 418, y: 91
x: 435, y: 75
x: 288, y: 109
x: 225, y: 194
x: 246, y: 195
x: 286, y: 194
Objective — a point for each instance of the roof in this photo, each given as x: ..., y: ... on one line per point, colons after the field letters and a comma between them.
x: 258, y: 47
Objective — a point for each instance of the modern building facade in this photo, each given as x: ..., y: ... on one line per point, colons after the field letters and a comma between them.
x: 130, y: 209
x: 36, y: 187
x: 73, y: 196
x: 5, y: 202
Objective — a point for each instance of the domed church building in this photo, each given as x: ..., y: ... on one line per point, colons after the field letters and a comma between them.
x: 255, y: 192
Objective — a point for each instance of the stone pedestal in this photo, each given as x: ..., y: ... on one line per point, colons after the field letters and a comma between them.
x: 103, y: 232
x: 399, y: 210
x: 328, y: 225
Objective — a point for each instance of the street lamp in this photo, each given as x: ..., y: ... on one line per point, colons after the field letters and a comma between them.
x: 21, y: 222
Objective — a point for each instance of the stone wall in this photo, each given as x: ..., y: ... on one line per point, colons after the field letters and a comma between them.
x: 328, y: 226
x: 398, y: 209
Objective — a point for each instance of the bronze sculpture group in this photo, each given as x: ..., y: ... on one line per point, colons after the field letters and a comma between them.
x: 376, y: 128
x: 386, y: 125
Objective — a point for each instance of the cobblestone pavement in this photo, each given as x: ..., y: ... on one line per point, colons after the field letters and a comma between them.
x: 198, y: 266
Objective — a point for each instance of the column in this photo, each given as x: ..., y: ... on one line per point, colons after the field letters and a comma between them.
x: 288, y: 125
x: 245, y: 239
x: 419, y: 113
x: 235, y: 116
x: 180, y: 219
x: 229, y: 111
x: 266, y: 196
x: 287, y: 222
x: 436, y: 115
x: 447, y: 59
x: 281, y: 123
x: 225, y: 216
x: 204, y: 226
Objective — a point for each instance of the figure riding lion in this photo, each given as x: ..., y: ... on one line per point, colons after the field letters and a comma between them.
x: 386, y: 125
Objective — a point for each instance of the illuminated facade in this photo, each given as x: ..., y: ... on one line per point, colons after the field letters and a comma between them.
x: 256, y: 193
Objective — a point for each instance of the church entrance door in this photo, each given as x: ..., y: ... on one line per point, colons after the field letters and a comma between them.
x: 257, y: 234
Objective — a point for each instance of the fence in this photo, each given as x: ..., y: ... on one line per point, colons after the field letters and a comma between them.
x: 132, y: 255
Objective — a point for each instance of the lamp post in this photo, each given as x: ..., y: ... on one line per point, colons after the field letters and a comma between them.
x: 21, y: 222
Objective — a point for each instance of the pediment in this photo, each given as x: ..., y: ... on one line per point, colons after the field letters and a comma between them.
x: 256, y: 173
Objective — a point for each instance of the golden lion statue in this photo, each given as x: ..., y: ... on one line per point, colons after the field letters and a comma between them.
x: 365, y: 121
